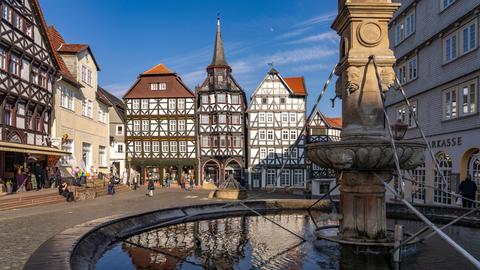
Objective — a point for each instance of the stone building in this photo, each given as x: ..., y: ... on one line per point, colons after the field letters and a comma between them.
x: 116, y: 117
x: 322, y: 129
x: 221, y: 122
x: 80, y: 117
x: 160, y: 126
x: 436, y: 44
x: 28, y: 68
x: 277, y: 116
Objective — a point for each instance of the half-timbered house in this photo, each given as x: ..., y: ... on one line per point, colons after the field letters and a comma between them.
x: 28, y: 68
x: 322, y: 129
x: 277, y: 117
x: 221, y: 122
x: 160, y: 126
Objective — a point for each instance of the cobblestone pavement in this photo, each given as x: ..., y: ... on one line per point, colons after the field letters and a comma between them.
x: 22, y: 231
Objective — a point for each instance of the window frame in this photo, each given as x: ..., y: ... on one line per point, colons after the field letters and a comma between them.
x: 460, y: 101
x: 451, y: 102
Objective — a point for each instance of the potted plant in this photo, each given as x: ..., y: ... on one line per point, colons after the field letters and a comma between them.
x: 9, y: 186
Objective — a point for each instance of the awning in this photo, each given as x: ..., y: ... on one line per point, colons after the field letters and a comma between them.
x: 31, y: 149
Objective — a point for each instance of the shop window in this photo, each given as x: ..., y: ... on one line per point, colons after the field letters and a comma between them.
x: 440, y: 194
x: 285, y: 178
x: 474, y: 169
x: 298, y: 177
x: 418, y: 186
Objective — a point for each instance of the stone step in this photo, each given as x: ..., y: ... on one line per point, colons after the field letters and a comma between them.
x: 48, y: 202
x: 47, y: 199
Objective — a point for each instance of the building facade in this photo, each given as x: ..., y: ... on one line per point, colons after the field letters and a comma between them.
x: 221, y: 106
x: 116, y: 117
x: 436, y: 44
x: 277, y: 117
x: 160, y: 126
x: 28, y: 69
x: 322, y: 129
x: 80, y: 120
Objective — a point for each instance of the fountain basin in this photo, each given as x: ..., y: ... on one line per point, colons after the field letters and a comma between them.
x: 366, y: 155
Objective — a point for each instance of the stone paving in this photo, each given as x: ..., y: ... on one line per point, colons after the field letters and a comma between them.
x: 24, y: 230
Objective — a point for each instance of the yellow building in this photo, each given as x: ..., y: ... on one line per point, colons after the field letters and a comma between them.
x: 80, y: 117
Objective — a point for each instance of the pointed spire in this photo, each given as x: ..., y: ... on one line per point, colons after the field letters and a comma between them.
x: 218, y: 52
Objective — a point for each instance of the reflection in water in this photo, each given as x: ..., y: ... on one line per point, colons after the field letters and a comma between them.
x: 252, y: 242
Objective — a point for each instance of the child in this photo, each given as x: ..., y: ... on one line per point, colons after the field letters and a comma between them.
x: 150, y: 187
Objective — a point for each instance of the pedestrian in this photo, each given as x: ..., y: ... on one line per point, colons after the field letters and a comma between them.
x: 111, y: 186
x: 135, y: 180
x: 150, y: 187
x: 78, y: 176
x: 191, y: 182
x: 58, y: 177
x: 183, y: 181
x: 468, y: 190
x: 67, y: 193
x: 33, y: 180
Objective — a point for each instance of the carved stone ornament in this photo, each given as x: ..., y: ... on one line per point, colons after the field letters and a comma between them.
x: 369, y: 34
x: 339, y: 87
x: 352, y: 79
x: 387, y: 78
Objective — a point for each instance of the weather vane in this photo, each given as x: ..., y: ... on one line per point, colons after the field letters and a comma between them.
x: 271, y: 64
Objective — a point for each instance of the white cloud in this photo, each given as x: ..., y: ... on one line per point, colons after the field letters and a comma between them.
x: 311, y: 67
x: 299, y: 55
x: 321, y: 19
x: 329, y: 36
x: 118, y: 89
x: 194, y: 78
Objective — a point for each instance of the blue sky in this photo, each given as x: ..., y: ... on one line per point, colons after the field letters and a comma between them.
x: 129, y: 37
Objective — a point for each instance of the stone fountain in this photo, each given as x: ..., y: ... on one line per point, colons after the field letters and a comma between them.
x: 364, y: 148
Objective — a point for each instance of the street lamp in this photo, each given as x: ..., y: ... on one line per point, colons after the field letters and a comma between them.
x: 399, y: 129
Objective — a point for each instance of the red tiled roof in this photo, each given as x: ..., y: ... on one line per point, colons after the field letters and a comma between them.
x: 158, y: 69
x: 71, y: 48
x: 335, y: 122
x: 297, y: 85
x: 57, y: 40
x: 159, y: 74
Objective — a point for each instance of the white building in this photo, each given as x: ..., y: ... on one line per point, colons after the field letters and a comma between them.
x: 276, y: 117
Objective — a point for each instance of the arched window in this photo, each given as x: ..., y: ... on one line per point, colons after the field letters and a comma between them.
x: 445, y: 163
x: 474, y: 168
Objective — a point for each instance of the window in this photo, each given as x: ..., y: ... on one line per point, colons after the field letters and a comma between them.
x: 145, y: 125
x: 408, y: 71
x: 284, y: 134
x: 173, y: 146
x: 119, y: 148
x: 102, y: 115
x: 165, y: 146
x: 469, y: 37
x: 67, y: 146
x: 136, y: 125
x: 204, y: 99
x: 67, y: 98
x: 271, y: 153
x: 263, y: 153
x: 261, y: 117
x: 270, y: 177
x: 29, y: 30
x: 87, y: 108
x: 181, y: 125
x: 14, y: 65
x: 158, y: 86
x: 450, y: 104
x: 418, y: 187
x: 235, y: 99
x: 446, y: 3
x: 136, y: 104
x: 293, y: 134
x: 3, y: 59
x: 284, y: 117
x: 223, y: 141
x: 468, y: 98
x: 17, y: 21
x: 221, y: 98
x: 181, y: 104
x: 222, y: 119
x: 412, y: 69
x: 237, y: 141
x: 236, y: 119
x: 138, y: 146
x: 269, y: 135
x: 173, y: 125
x: 410, y: 24
x: 220, y: 78
x: 293, y: 118
x: 264, y: 100
x: 146, y: 146
x: 450, y: 47
x: 298, y: 177
x: 285, y: 178
x: 445, y: 168
x: 205, y: 141
x: 204, y: 119
x: 145, y: 104
x: 262, y: 134
x: 215, y: 141
x: 404, y: 114
x: 182, y: 146
x: 155, y: 146
x: 399, y: 32
x: 270, y: 118
x: 402, y: 74
x: 86, y: 75
x: 294, y: 153
x: 7, y: 13
x: 286, y: 153
x: 282, y: 100
x: 119, y: 130
x: 172, y: 104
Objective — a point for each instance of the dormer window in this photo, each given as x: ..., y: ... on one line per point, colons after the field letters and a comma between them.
x: 158, y: 86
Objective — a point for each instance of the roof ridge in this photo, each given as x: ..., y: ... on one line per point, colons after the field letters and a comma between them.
x: 159, y: 68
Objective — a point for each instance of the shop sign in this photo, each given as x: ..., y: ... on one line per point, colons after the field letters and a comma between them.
x: 447, y: 142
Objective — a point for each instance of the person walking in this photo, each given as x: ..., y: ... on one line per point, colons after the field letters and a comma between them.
x: 150, y: 187
x: 58, y: 177
x: 468, y: 190
x: 190, y: 181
